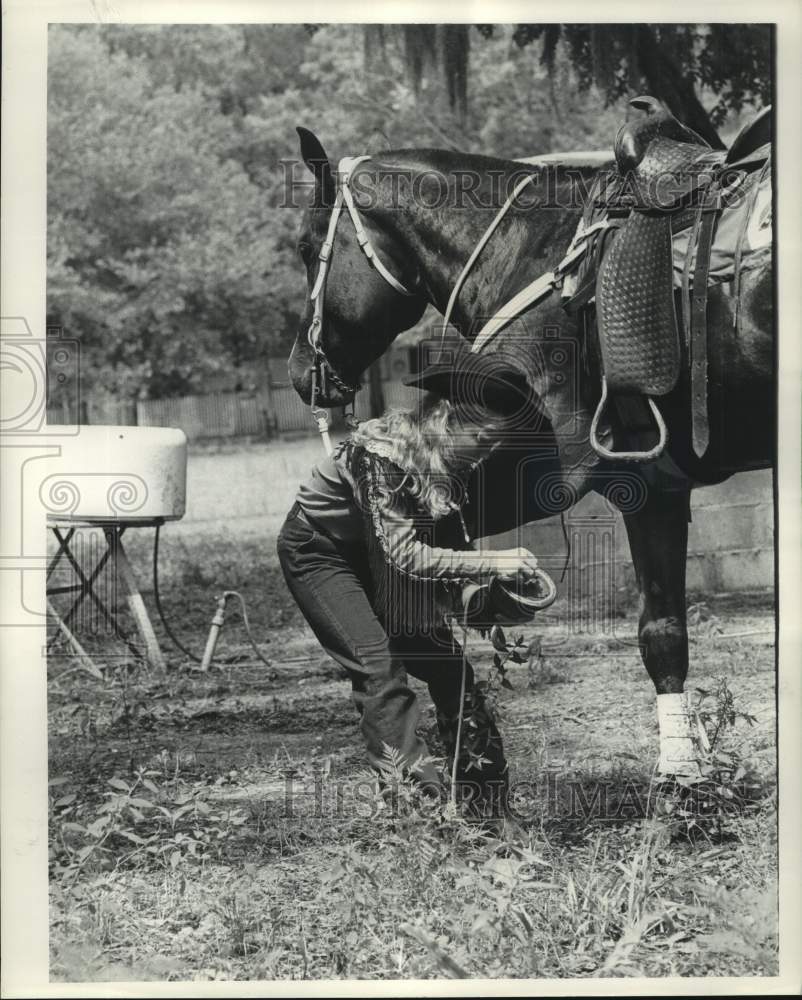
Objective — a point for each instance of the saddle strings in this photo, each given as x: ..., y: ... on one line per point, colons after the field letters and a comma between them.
x: 567, y: 541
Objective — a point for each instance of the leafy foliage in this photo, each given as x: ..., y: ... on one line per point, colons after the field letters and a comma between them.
x: 165, y: 254
x: 674, y: 62
x: 137, y: 820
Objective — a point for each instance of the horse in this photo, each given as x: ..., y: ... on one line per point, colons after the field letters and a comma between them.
x: 420, y: 213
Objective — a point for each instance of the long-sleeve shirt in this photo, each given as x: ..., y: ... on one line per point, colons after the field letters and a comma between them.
x: 329, y: 501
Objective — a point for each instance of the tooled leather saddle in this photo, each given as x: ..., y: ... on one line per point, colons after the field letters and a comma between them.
x: 667, y: 180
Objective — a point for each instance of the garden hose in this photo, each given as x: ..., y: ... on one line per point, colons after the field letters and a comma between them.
x: 176, y: 642
x: 217, y: 621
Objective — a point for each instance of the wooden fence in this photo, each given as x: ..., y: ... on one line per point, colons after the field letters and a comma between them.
x: 119, y: 412
x: 274, y: 408
x: 218, y: 414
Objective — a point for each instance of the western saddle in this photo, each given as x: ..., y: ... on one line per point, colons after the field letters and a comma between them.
x: 667, y: 180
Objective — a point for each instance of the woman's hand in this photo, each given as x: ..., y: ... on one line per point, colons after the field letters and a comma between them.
x: 515, y: 564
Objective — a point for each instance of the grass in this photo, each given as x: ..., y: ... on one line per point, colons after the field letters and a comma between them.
x: 253, y: 895
x: 222, y: 826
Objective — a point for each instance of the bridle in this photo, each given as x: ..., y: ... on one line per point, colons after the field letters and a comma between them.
x: 322, y: 369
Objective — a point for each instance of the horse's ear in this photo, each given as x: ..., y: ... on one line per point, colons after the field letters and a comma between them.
x: 314, y: 156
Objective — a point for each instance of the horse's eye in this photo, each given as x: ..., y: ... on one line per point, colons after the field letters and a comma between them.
x: 305, y: 250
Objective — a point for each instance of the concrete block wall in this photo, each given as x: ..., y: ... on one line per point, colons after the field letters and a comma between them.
x: 730, y: 537
x: 730, y: 540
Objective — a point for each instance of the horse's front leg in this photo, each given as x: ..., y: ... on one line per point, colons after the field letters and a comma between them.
x: 658, y: 539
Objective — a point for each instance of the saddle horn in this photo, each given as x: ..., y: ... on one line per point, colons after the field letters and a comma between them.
x: 635, y: 136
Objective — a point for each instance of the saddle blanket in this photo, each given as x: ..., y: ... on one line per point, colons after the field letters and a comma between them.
x: 750, y: 220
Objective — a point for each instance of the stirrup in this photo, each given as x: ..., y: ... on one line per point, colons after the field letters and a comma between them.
x: 627, y: 456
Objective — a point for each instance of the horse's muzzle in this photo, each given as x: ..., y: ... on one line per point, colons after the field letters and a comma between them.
x: 302, y: 367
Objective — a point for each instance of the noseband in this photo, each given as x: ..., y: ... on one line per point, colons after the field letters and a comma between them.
x: 322, y: 369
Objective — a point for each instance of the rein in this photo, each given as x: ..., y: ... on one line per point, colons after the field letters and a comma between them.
x: 483, y: 241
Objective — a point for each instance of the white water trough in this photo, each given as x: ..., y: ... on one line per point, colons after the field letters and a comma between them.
x: 110, y: 479
x: 121, y: 474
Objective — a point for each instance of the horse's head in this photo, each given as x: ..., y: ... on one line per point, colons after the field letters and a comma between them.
x: 354, y: 311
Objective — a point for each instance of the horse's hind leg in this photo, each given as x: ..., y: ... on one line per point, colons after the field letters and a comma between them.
x: 658, y: 539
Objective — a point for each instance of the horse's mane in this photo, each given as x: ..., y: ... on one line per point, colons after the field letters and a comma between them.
x: 448, y: 161
x: 560, y: 175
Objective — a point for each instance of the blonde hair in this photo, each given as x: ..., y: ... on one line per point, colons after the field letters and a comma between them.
x: 419, y: 443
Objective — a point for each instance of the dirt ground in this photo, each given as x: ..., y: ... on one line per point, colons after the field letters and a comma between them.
x: 223, y: 825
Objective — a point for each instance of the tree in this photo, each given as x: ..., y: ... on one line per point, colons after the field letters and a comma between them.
x: 673, y: 62
x: 164, y: 256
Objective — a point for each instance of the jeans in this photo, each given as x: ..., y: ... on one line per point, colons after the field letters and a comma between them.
x: 332, y: 586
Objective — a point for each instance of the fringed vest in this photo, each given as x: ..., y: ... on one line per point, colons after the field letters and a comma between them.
x: 405, y: 603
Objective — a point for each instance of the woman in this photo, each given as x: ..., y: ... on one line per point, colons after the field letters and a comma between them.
x: 357, y: 553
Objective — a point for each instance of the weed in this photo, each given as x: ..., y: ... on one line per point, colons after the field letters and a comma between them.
x: 728, y: 784
x: 136, y: 822
x: 702, y: 621
x: 517, y: 651
x: 241, y: 925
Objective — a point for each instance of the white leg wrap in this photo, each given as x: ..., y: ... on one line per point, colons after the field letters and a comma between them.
x: 677, y: 745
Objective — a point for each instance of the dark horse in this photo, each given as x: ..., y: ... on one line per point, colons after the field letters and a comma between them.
x: 424, y: 211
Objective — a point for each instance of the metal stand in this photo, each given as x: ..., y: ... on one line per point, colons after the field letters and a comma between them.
x: 86, y: 588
